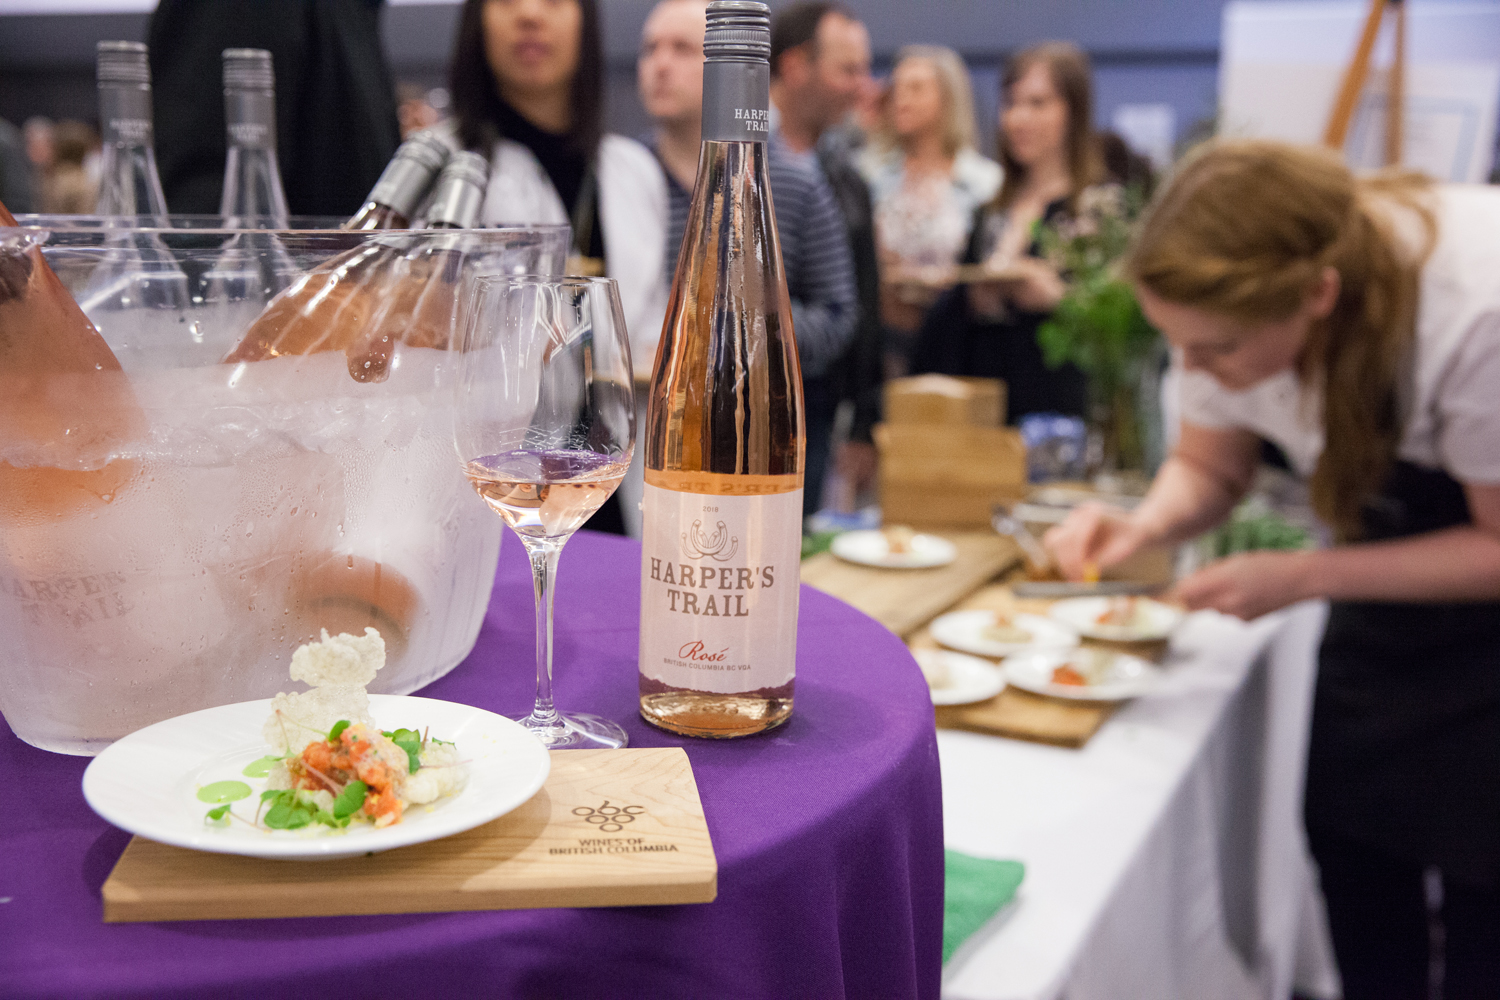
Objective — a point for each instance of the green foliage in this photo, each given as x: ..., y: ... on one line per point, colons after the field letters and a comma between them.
x: 337, y: 730
x: 1098, y: 325
x: 1254, y: 527
x: 817, y: 543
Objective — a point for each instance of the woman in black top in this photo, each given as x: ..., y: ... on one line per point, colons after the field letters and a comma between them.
x: 1052, y: 175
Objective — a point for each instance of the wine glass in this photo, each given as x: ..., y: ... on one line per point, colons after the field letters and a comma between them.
x: 544, y: 427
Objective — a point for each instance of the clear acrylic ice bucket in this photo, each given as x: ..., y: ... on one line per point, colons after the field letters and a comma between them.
x: 268, y: 499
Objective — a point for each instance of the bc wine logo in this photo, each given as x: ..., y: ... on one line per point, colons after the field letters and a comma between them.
x: 608, y: 818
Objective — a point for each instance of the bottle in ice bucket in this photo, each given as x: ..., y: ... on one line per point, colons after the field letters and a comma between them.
x: 139, y: 270
x: 253, y: 265
x: 722, y: 509
x: 422, y: 312
x: 128, y: 181
x: 98, y: 602
x: 393, y: 200
x: 253, y: 197
x: 366, y: 301
x: 65, y: 406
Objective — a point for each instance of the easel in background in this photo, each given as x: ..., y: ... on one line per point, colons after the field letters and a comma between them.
x: 1359, y: 71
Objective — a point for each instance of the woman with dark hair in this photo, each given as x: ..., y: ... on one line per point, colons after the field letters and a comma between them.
x: 528, y: 91
x: 1053, y: 178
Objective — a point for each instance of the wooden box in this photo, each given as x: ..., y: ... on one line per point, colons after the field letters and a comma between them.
x: 944, y: 399
x: 948, y: 476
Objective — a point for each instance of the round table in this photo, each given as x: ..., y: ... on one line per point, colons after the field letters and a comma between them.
x: 828, y: 833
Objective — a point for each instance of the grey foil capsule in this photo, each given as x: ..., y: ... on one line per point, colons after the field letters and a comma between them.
x: 737, y: 72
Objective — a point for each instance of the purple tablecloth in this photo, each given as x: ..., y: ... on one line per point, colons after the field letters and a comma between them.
x: 828, y: 833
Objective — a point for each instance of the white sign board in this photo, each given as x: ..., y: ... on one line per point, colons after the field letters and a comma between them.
x: 1281, y: 64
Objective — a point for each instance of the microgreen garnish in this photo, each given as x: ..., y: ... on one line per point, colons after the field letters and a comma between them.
x: 286, y: 813
x: 219, y: 815
x: 337, y: 730
x: 411, y: 741
x: 350, y: 799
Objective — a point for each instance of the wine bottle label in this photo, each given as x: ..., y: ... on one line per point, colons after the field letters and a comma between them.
x: 125, y: 114
x: 252, y: 119
x: 719, y: 588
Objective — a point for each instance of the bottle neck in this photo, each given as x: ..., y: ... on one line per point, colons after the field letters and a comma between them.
x: 374, y: 215
x: 251, y: 118
x: 736, y: 100
x: 402, y: 185
x: 456, y: 207
x: 125, y: 114
x: 128, y: 181
x: 253, y: 197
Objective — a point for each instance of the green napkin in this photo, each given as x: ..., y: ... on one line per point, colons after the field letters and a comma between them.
x: 974, y: 890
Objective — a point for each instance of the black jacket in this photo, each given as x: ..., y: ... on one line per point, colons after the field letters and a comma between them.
x: 335, y: 102
x: 860, y: 372
x: 954, y: 341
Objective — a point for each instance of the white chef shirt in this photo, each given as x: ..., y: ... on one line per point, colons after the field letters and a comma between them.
x: 1452, y: 399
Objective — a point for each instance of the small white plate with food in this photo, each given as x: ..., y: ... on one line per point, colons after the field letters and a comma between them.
x: 326, y: 773
x: 957, y: 679
x: 895, y: 547
x: 1118, y: 619
x: 1081, y: 674
x: 997, y: 634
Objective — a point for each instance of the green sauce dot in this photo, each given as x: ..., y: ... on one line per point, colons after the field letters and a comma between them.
x: 224, y: 791
x: 260, y: 768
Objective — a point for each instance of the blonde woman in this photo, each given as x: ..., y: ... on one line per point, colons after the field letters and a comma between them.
x: 926, y: 179
x: 1356, y: 323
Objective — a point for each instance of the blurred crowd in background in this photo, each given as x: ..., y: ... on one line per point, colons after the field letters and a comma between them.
x: 908, y: 247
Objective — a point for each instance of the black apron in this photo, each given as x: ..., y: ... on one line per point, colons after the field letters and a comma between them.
x: 1405, y: 747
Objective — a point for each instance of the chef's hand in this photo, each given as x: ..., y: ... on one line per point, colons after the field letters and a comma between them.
x: 1037, y: 287
x: 1247, y: 586
x: 1094, y: 537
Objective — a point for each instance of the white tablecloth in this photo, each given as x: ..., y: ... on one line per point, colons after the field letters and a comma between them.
x: 1166, y: 858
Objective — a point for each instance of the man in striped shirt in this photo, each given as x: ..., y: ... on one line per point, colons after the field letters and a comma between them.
x: 814, y: 244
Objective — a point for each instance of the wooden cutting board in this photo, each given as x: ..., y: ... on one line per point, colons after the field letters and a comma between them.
x: 903, y: 600
x: 609, y: 828
x: 1020, y: 714
x: 1025, y: 716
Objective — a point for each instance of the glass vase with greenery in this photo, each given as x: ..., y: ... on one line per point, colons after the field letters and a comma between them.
x: 1099, y: 326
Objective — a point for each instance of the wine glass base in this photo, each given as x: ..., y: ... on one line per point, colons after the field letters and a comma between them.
x: 578, y: 731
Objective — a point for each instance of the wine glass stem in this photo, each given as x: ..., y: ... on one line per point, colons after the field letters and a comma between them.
x: 544, y: 553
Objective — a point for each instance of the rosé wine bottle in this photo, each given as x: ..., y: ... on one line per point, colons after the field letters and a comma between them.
x: 722, y: 509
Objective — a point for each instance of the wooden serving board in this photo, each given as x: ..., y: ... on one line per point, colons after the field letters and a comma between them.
x: 547, y: 853
x: 1021, y: 714
x: 1025, y: 716
x: 903, y: 600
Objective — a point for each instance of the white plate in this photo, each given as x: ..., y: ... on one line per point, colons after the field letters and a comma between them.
x: 968, y: 678
x: 1155, y: 620
x: 965, y: 630
x: 870, y: 548
x: 147, y: 783
x: 1128, y: 677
